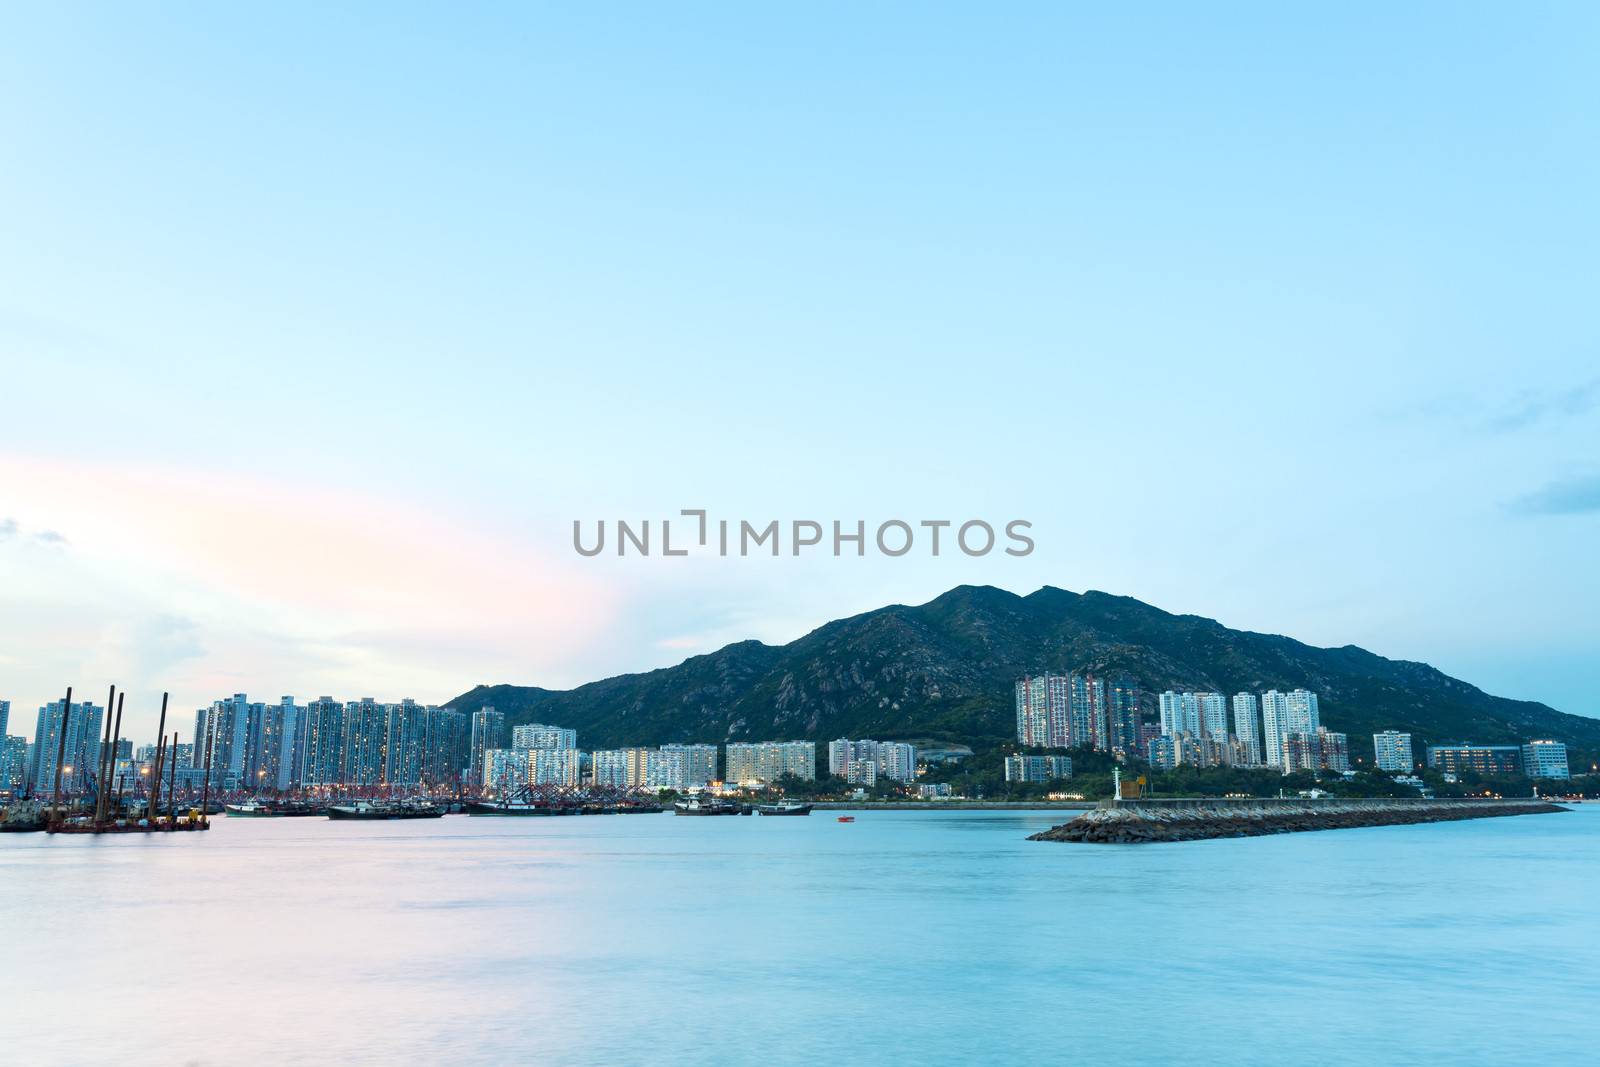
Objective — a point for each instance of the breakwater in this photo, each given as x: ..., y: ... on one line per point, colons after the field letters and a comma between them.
x: 953, y: 805
x: 1141, y: 821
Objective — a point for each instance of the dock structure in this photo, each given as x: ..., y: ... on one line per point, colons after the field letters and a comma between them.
x: 1127, y: 822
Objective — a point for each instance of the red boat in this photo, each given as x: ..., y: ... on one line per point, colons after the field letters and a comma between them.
x: 847, y: 818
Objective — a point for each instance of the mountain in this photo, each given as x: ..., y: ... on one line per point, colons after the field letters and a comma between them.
x: 945, y: 671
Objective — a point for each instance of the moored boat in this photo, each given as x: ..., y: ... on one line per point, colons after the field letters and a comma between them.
x: 367, y: 810
x: 705, y: 806
x: 252, y: 809
x: 788, y: 807
x: 299, y: 809
x: 490, y: 807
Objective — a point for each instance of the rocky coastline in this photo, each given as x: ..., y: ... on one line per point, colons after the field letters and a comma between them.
x: 1150, y: 821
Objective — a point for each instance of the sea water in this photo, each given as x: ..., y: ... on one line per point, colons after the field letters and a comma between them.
x: 901, y: 938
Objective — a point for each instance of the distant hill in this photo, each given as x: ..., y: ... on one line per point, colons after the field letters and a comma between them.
x: 945, y: 670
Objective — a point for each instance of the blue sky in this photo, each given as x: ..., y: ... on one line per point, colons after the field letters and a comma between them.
x: 319, y: 327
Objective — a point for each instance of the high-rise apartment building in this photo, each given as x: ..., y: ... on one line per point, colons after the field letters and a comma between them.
x: 1274, y: 725
x: 366, y: 736
x: 892, y: 759
x: 1213, y: 711
x: 1162, y: 752
x: 1020, y: 768
x: 322, y: 751
x: 1122, y: 698
x: 1044, y: 711
x: 552, y: 766
x: 840, y: 753
x: 1303, y: 714
x: 1321, y: 750
x: 223, y: 731
x: 449, y: 737
x: 862, y: 772
x: 13, y: 765
x: 488, y: 730
x: 83, y: 726
x: 538, y: 735
x: 1333, y: 750
x: 1545, y: 759
x: 1074, y: 711
x: 1180, y: 713
x: 1391, y: 751
x: 762, y: 762
x: 1087, y: 726
x: 505, y: 770
x: 272, y: 738
x: 405, y: 748
x: 697, y: 764
x: 609, y: 767
x: 1300, y: 752
x: 1247, y: 725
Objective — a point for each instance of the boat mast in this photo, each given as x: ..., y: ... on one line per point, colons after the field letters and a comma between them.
x: 61, y: 754
x: 205, y: 787
x: 155, y: 779
x: 172, y: 782
x: 100, y: 764
x: 104, y: 805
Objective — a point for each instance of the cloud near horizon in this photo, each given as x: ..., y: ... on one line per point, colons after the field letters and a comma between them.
x: 207, y: 585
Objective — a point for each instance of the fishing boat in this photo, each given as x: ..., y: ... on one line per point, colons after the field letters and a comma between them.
x: 491, y: 807
x: 367, y: 810
x: 705, y: 806
x: 299, y: 809
x: 252, y: 809
x: 787, y: 807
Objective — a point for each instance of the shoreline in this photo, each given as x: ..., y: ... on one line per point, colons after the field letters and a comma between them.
x: 952, y: 805
x: 1151, y: 821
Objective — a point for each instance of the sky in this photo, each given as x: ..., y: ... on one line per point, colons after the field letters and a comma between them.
x: 320, y: 326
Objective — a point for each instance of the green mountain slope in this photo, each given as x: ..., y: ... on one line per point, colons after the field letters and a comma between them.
x: 945, y: 670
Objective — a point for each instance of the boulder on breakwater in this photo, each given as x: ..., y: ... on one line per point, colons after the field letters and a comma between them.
x: 1139, y: 821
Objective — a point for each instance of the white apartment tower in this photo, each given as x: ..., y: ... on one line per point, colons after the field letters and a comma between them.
x: 1391, y: 751
x: 1274, y: 725
x: 1213, y: 710
x: 1247, y: 724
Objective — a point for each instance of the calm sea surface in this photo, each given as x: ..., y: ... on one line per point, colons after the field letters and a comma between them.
x: 906, y: 937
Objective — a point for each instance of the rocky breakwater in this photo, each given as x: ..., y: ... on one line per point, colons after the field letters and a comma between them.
x: 1141, y: 821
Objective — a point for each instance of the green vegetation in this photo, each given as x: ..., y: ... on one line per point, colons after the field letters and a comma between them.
x: 945, y: 670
